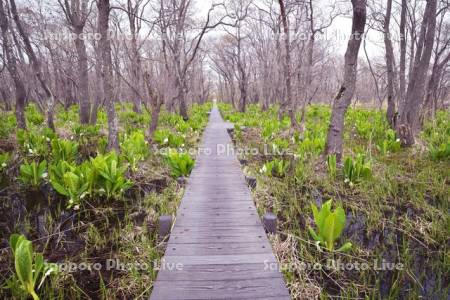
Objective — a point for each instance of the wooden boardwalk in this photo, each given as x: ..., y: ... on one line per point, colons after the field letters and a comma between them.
x: 218, y: 241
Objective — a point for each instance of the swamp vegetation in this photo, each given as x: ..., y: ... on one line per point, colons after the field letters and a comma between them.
x: 396, y: 203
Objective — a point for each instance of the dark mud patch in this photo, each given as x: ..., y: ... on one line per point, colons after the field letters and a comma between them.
x: 143, y: 186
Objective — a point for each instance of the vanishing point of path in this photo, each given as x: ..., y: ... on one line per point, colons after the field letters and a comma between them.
x: 218, y: 239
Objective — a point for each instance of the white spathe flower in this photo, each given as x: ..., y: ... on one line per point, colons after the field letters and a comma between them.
x: 47, y: 139
x: 3, y: 165
x: 44, y: 175
x: 76, y: 207
x: 30, y: 150
x: 263, y: 169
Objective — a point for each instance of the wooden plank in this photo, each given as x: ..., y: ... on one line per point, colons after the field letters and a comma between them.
x: 218, y: 215
x: 214, y: 223
x: 214, y: 238
x: 215, y: 207
x: 229, y: 196
x: 219, y: 248
x: 219, y: 272
x: 229, y: 289
x: 220, y: 259
x: 242, y: 230
x: 211, y: 206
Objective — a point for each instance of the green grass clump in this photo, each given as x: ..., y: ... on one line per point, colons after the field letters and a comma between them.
x: 33, y: 174
x: 31, y: 269
x: 330, y: 225
x: 180, y: 163
x: 4, y: 159
x: 134, y: 149
x: 64, y: 150
x: 8, y: 121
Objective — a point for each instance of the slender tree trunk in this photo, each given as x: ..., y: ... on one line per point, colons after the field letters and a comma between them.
x: 409, y: 119
x: 334, y: 143
x: 83, y: 89
x: 402, y: 73
x: 98, y: 94
x: 156, y: 102
x: 242, y: 85
x: 36, y: 65
x: 76, y: 13
x: 11, y: 64
x: 107, y: 75
x: 433, y: 86
x: 243, y: 92
x: 288, y: 103
x: 181, y: 86
x: 232, y: 94
x: 135, y: 57
x: 155, y: 118
x: 242, y: 74
x: 389, y: 66
x: 182, y: 101
x: 5, y: 96
x: 308, y: 94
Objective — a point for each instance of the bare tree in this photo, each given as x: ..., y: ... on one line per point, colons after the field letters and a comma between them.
x: 224, y: 66
x: 441, y: 61
x: 76, y: 13
x: 389, y: 66
x: 242, y: 75
x: 156, y: 100
x: 98, y: 91
x: 11, y: 65
x: 103, y: 7
x: 402, y: 66
x: 180, y: 50
x: 135, y: 9
x: 334, y: 143
x: 287, y: 104
x: 408, y: 122
x: 35, y: 64
x: 314, y: 29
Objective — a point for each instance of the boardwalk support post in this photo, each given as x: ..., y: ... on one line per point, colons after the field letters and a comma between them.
x: 164, y: 225
x: 251, y: 181
x: 182, y: 180
x: 243, y: 161
x: 270, y: 223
